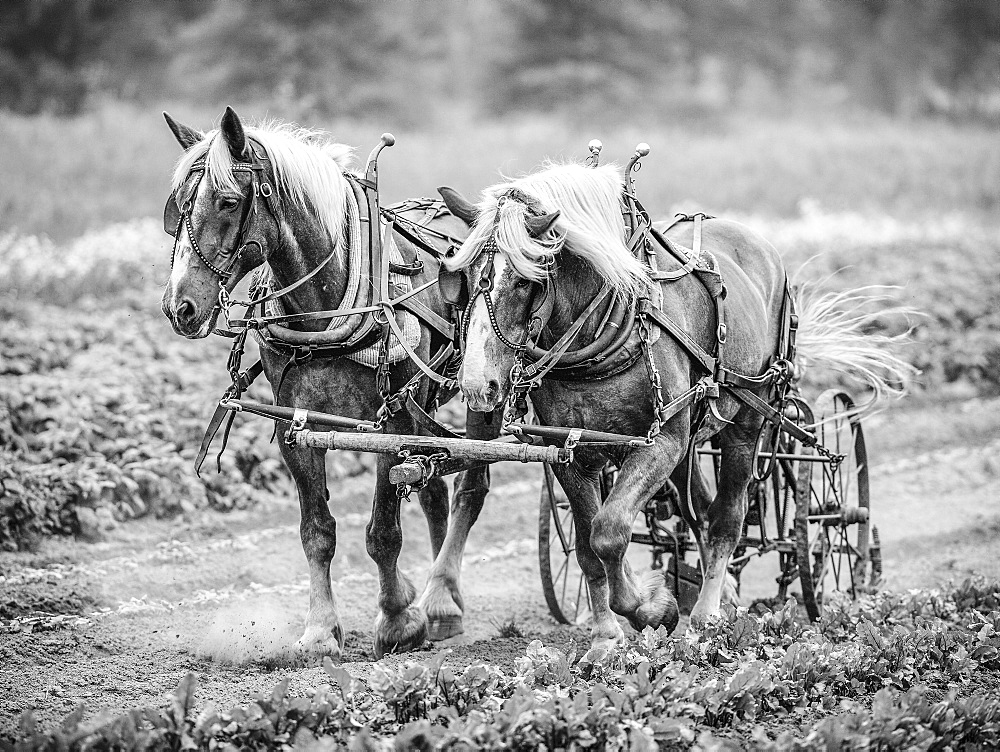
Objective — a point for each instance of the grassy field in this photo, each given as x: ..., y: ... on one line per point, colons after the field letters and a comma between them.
x: 65, y: 176
x: 101, y: 409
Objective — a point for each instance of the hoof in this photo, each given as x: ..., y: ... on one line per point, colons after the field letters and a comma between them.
x: 699, y: 620
x: 442, y: 602
x: 321, y: 640
x: 658, y: 607
x: 604, y: 644
x: 444, y: 627
x: 403, y: 632
x: 731, y: 591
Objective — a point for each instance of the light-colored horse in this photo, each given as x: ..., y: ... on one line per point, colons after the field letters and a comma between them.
x: 561, y: 235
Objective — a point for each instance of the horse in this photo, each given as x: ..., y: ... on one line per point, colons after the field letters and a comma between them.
x: 545, y: 264
x: 280, y: 196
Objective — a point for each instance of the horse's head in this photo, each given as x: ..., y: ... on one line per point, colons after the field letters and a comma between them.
x: 222, y: 216
x: 509, y: 298
x: 563, y: 223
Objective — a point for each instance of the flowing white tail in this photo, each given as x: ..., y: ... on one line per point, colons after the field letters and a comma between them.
x: 834, y: 334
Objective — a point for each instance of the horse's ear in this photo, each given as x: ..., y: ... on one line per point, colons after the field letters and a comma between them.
x: 458, y: 205
x: 538, y: 226
x: 232, y: 131
x: 186, y: 137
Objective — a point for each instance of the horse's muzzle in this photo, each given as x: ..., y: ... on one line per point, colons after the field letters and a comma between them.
x: 186, y: 319
x: 483, y: 398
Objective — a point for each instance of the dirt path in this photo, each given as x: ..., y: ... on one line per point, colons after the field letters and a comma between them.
x: 223, y: 595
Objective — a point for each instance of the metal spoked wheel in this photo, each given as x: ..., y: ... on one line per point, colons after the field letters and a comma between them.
x: 832, y: 527
x: 563, y: 582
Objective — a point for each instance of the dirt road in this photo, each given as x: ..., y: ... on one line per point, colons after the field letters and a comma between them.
x: 222, y: 595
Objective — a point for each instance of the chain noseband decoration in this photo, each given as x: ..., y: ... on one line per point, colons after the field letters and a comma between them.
x: 486, y: 281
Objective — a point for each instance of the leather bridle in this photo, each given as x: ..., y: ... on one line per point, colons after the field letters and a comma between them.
x: 177, y: 215
x: 541, y: 306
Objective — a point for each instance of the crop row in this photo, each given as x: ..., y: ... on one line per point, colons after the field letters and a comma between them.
x: 886, y: 672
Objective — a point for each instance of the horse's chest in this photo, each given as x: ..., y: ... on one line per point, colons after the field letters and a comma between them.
x: 616, y: 405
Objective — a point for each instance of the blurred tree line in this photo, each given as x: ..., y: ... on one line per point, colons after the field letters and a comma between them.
x: 416, y: 59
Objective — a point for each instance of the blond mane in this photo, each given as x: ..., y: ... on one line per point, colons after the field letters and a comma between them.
x: 590, y: 225
x: 308, y: 168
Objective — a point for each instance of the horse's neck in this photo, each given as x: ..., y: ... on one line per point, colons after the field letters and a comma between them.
x: 576, y: 286
x: 305, y: 246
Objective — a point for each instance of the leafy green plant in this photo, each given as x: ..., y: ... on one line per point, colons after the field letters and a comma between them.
x: 865, y: 676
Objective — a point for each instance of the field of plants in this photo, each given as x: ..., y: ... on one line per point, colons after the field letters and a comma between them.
x: 888, y: 672
x: 142, y: 606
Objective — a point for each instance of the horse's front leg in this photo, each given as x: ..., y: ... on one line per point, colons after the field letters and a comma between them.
x: 442, y: 596
x: 582, y: 487
x: 400, y: 624
x: 318, y: 531
x: 646, y: 601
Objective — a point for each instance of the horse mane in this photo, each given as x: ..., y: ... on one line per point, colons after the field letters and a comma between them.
x: 308, y: 168
x: 590, y: 225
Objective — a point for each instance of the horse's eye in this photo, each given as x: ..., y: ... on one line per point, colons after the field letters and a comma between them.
x: 228, y: 203
x: 522, y: 283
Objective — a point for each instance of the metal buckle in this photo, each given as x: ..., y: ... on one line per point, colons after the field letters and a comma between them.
x: 298, y: 424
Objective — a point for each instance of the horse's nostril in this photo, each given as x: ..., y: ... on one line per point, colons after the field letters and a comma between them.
x: 185, y: 310
x: 492, y: 390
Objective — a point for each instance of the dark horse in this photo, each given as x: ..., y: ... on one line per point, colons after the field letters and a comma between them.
x: 544, y: 251
x: 279, y: 196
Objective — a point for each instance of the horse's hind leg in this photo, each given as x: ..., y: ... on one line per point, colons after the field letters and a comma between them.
x: 695, y: 512
x: 318, y: 531
x: 442, y: 596
x: 721, y: 524
x: 582, y: 488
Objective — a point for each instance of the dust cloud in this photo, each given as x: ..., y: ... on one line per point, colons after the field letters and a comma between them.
x: 251, y: 632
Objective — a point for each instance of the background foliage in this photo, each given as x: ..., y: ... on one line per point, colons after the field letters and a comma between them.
x: 347, y: 58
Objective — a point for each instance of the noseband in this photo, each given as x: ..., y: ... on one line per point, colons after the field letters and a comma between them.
x: 259, y: 187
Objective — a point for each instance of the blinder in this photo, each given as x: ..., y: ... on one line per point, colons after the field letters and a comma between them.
x: 171, y: 216
x: 454, y: 287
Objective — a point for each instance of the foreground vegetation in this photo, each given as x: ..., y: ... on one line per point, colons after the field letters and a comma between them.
x: 890, y: 671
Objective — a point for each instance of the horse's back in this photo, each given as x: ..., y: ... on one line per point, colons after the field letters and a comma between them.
x: 754, y: 275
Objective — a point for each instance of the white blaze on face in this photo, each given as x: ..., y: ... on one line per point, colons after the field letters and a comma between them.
x: 480, y: 332
x: 183, y: 252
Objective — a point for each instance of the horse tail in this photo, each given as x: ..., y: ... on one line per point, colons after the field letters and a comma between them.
x: 838, y: 331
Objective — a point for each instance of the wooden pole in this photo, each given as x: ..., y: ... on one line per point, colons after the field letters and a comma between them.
x: 470, y: 449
